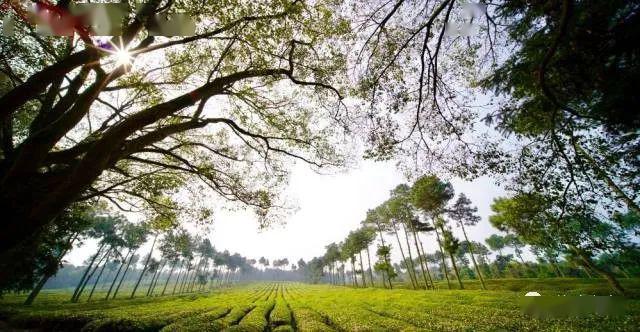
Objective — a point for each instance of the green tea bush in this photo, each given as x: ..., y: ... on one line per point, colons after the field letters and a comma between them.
x: 256, y: 319
x: 280, y: 315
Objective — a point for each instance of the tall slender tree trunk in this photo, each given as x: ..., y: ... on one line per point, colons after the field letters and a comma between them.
x: 144, y: 269
x: 115, y: 279
x: 404, y: 258
x: 353, y: 272
x: 93, y: 271
x: 370, y: 268
x: 473, y: 257
x: 426, y: 264
x: 178, y: 279
x: 411, y: 264
x: 185, y: 277
x: 455, y: 270
x: 169, y: 277
x: 386, y: 259
x: 589, y: 264
x: 332, y: 274
x: 124, y: 274
x: 86, y: 272
x: 38, y: 287
x: 155, y: 278
x: 558, y: 269
x: 453, y: 262
x: 421, y: 259
x: 192, y: 281
x: 444, y: 264
x: 364, y: 280
x: 99, y: 275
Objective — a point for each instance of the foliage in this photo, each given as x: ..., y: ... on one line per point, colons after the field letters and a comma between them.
x: 323, y: 308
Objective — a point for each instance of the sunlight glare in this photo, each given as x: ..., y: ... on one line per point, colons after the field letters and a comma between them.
x: 123, y: 57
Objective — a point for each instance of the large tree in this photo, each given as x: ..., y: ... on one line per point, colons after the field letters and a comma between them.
x: 78, y: 124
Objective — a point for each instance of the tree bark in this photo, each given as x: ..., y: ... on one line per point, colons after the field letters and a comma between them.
x: 411, y: 265
x: 99, y: 275
x: 370, y: 268
x: 178, y: 279
x: 473, y: 257
x: 426, y: 265
x: 364, y: 280
x: 589, y: 264
x: 353, y: 272
x: 404, y: 258
x: 421, y: 258
x: 168, y: 278
x: 388, y: 276
x: 36, y: 290
x: 444, y: 264
x: 93, y: 271
x: 115, y: 279
x: 86, y: 272
x: 124, y: 274
x: 156, y: 276
x: 144, y: 269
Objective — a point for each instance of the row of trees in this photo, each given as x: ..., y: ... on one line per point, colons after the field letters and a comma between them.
x: 409, y: 213
x: 597, y: 248
x: 186, y: 263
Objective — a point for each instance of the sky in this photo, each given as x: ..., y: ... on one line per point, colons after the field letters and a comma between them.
x: 329, y: 206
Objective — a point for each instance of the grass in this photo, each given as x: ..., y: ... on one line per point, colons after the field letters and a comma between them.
x: 300, y: 307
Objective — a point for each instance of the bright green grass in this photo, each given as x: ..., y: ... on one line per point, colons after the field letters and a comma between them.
x: 300, y: 307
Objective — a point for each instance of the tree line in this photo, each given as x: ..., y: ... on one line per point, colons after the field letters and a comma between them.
x: 413, y: 213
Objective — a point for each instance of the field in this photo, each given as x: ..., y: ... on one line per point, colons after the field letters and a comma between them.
x: 303, y: 307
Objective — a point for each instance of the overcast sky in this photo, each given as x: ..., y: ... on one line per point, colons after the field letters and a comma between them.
x: 329, y: 207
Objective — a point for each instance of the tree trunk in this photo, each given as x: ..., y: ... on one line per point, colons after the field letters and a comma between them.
x: 86, y: 272
x: 588, y: 263
x: 168, y: 278
x: 386, y: 259
x: 185, y: 277
x: 404, y: 258
x: 421, y: 259
x: 558, y: 268
x: 155, y: 278
x: 364, y: 280
x: 36, y: 290
x: 370, y: 268
x: 124, y: 274
x: 473, y: 257
x: 195, y: 275
x: 426, y: 264
x: 353, y: 272
x: 144, y: 269
x: 178, y: 279
x: 99, y: 275
x: 411, y: 264
x: 455, y: 270
x: 93, y: 271
x: 115, y: 279
x: 444, y: 264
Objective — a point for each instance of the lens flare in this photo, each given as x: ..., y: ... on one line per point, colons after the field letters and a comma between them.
x: 122, y: 57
